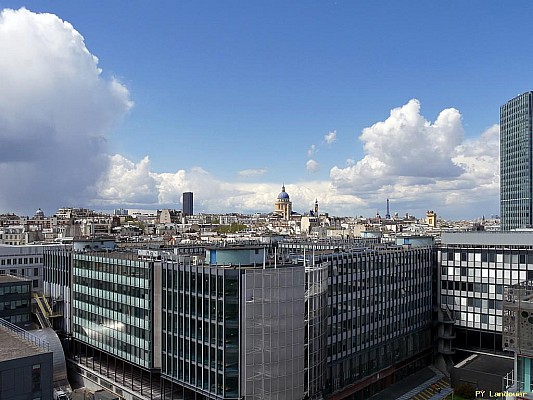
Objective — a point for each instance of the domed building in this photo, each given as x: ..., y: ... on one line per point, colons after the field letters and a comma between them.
x: 39, y: 214
x: 283, y: 204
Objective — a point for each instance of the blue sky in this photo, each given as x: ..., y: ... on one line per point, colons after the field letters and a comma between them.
x: 223, y: 87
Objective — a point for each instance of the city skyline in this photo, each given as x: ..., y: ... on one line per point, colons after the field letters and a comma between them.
x: 348, y: 103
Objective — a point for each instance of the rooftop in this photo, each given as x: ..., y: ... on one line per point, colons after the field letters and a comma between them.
x: 515, y: 238
x: 11, y: 278
x: 14, y: 346
x: 486, y: 363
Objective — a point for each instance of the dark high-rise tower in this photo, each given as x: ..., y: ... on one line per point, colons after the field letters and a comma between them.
x: 516, y: 160
x: 188, y: 203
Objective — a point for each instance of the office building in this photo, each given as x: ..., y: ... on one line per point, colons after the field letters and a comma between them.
x: 188, y: 204
x: 337, y: 318
x: 234, y: 331
x: 474, y: 268
x: 116, y: 321
x: 380, y: 317
x: 516, y: 161
x: 15, y: 300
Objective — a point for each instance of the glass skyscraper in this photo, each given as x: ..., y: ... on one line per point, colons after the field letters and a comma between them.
x: 188, y: 203
x: 516, y: 159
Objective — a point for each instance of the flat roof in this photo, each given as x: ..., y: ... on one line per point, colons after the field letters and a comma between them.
x: 490, y: 364
x: 10, y: 278
x: 13, y: 346
x: 234, y: 247
x: 488, y: 238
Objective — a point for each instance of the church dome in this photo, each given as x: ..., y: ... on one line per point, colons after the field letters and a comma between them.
x: 39, y: 213
x: 283, y: 194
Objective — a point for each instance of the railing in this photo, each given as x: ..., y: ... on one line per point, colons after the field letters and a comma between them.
x: 16, y: 275
x: 43, y: 344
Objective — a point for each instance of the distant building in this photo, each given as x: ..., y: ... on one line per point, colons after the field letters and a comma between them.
x: 516, y: 160
x: 167, y: 216
x: 25, y: 261
x: 188, y: 205
x: 283, y: 204
x: 120, y: 212
x: 431, y: 218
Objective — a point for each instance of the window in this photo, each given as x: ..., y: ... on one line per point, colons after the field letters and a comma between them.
x: 35, y: 283
x: 36, y: 377
x: 36, y: 272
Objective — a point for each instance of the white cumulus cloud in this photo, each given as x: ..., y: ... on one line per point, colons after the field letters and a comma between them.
x: 312, y: 165
x: 330, y: 137
x: 56, y: 111
x: 130, y: 183
x: 421, y: 164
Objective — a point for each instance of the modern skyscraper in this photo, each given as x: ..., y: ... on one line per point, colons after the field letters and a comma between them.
x: 516, y: 162
x: 188, y: 203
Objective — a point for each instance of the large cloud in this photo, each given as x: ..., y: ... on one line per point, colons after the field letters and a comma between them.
x: 419, y: 165
x: 56, y: 110
x: 134, y: 184
x: 405, y: 145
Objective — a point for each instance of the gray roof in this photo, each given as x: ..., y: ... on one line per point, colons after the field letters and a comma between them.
x: 13, y: 346
x: 488, y: 238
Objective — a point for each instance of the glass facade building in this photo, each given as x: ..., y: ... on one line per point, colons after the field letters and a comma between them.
x: 188, y: 203
x: 230, y: 332
x: 113, y: 305
x: 516, y: 162
x: 15, y: 299
x: 380, y: 318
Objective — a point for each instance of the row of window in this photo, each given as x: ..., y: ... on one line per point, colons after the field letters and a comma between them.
x: 472, y: 287
x: 351, y: 369
x: 14, y: 289
x: 101, y: 339
x: 18, y: 318
x: 113, y: 288
x: 21, y: 261
x: 13, y: 305
x: 114, y: 266
x: 93, y: 302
